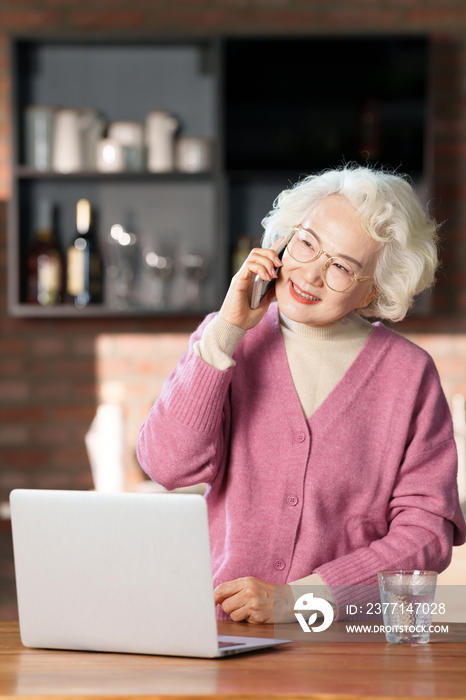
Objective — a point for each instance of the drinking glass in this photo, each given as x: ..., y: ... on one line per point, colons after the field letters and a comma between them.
x: 407, y: 604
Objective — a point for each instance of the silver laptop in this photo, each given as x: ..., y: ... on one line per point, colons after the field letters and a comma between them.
x: 117, y: 572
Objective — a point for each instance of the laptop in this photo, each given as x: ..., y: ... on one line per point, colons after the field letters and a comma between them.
x: 120, y: 572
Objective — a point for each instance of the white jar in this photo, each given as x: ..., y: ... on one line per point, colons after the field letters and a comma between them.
x: 161, y: 127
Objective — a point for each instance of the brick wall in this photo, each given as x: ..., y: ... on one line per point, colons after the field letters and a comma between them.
x: 49, y: 371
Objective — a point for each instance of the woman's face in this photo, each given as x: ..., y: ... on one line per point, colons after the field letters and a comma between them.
x: 336, y: 226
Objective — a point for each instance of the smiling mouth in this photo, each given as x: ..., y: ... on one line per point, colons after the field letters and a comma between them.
x: 309, y: 297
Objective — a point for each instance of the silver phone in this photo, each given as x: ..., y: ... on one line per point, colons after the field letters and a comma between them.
x: 262, y: 287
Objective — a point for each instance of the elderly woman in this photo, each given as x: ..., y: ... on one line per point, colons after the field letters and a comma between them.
x: 325, y: 440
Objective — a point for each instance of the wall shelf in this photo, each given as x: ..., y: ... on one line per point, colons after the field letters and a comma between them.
x: 25, y: 173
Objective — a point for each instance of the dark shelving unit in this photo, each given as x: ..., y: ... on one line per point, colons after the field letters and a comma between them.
x: 276, y: 109
x: 171, y: 213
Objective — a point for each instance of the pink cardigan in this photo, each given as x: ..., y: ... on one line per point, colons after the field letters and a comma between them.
x: 367, y: 483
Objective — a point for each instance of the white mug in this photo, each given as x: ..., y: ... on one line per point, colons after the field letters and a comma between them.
x: 130, y: 135
x: 109, y: 156
x: 193, y: 154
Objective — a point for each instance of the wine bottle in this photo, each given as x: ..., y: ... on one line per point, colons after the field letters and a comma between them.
x: 45, y: 261
x: 84, y: 278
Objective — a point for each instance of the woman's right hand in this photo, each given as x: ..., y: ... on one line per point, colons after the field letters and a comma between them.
x: 236, y: 308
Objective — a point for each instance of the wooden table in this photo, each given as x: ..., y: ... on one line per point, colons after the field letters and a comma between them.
x: 321, y: 670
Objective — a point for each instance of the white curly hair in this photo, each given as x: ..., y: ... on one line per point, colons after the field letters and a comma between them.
x: 390, y: 212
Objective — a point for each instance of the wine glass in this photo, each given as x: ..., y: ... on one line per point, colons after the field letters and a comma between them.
x: 124, y: 251
x: 161, y: 266
x: 194, y: 269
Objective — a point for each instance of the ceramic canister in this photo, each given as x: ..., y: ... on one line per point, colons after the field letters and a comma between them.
x: 193, y: 154
x: 161, y: 127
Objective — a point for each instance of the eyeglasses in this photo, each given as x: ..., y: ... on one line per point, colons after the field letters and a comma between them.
x: 336, y: 273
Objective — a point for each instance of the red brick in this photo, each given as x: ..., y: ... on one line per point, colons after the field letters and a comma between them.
x: 5, y: 85
x: 209, y: 18
x: 84, y: 346
x: 78, y: 433
x: 65, y: 414
x: 436, y: 16
x: 14, y: 479
x: 51, y: 391
x: 82, y: 480
x: 27, y: 458
x: 403, y: 3
x: 52, y: 345
x: 13, y: 434
x: 5, y: 194
x: 9, y: 611
x: 52, y: 434
x: 7, y: 569
x: 447, y: 59
x: 85, y: 390
x: 276, y: 3
x: 28, y: 414
x: 446, y: 83
x: 11, y: 346
x: 13, y: 391
x: 15, y: 3
x: 168, y: 325
x: 97, y: 326
x: 450, y: 127
x: 52, y: 480
x: 107, y: 18
x: 362, y: 18
x: 455, y: 192
x: 11, y: 367
x: 75, y: 366
x: 70, y: 457
x: 458, y: 278
x: 28, y: 19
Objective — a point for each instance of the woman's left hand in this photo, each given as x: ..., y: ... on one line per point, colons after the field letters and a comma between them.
x: 256, y: 601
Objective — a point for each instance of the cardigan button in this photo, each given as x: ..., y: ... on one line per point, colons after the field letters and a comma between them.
x: 300, y: 437
x: 279, y: 564
x: 292, y: 500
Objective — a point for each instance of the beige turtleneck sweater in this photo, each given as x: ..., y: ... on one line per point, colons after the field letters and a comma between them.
x: 317, y: 357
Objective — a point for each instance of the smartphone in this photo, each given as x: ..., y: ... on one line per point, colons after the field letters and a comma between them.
x: 261, y: 287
